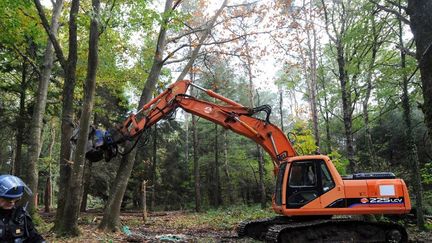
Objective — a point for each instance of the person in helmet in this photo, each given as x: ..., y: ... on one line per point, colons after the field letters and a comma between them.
x: 15, y: 223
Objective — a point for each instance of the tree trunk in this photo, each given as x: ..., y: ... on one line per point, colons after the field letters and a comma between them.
x: 47, y: 196
x: 86, y: 185
x: 346, y: 105
x: 154, y: 164
x: 20, y: 123
x: 261, y: 185
x: 48, y: 186
x: 67, y: 116
x: 216, y: 177
x: 368, y: 135
x: 263, y: 199
x: 111, y: 217
x: 262, y: 189
x: 203, y: 37
x: 73, y: 199
x: 421, y: 22
x: 39, y: 108
x: 230, y: 187
x: 326, y: 118
x: 144, y: 200
x: 197, y: 184
x: 281, y: 109
x: 418, y: 27
x: 312, y: 80
x: 347, y: 108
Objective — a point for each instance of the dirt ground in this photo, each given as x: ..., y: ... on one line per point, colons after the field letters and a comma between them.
x: 159, y: 227
x: 168, y: 227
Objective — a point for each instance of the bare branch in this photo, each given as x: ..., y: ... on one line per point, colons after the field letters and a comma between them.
x: 193, y: 31
x: 397, y: 5
x: 237, y: 37
x: 51, y: 35
x: 104, y: 25
x: 27, y: 58
x: 327, y: 22
x: 176, y: 4
x: 242, y: 4
x: 203, y: 37
x: 173, y: 52
x: 234, y: 54
x: 177, y: 60
x: 406, y: 50
x: 398, y: 15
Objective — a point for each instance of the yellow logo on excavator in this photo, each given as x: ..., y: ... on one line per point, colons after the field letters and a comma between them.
x: 174, y: 90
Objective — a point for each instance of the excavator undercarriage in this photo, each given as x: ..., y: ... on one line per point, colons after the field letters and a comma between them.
x: 294, y: 229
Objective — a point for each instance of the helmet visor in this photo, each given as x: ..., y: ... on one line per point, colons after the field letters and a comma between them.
x: 9, y: 182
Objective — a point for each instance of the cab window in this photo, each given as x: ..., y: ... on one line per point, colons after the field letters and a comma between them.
x: 303, y: 174
x: 327, y: 180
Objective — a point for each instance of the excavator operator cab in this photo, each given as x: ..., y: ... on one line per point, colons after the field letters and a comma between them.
x: 307, y: 180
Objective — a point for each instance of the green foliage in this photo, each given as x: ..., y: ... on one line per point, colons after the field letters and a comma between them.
x: 19, y: 23
x: 304, y: 141
x: 126, y: 50
x: 225, y: 218
x: 426, y: 173
x: 339, y: 162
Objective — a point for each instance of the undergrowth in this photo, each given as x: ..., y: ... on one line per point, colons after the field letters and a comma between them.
x: 225, y: 218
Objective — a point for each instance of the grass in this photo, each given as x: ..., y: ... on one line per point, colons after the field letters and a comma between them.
x: 226, y: 218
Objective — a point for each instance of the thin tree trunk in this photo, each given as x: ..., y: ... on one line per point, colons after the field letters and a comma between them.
x: 86, y: 185
x: 73, y: 199
x: 48, y: 186
x: 20, y: 123
x: 144, y: 200
x: 369, y: 142
x: 230, y: 187
x: 262, y: 189
x: 216, y: 178
x: 326, y: 117
x: 197, y: 184
x: 346, y: 106
x: 344, y: 81
x: 47, y: 196
x: 312, y: 80
x: 281, y: 109
x: 203, y: 37
x: 111, y: 217
x: 40, y: 105
x: 154, y: 164
x: 261, y: 185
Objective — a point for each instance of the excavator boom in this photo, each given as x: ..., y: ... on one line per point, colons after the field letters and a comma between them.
x: 306, y: 186
x: 228, y: 114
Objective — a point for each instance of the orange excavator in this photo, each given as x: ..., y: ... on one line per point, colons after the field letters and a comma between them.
x: 310, y: 194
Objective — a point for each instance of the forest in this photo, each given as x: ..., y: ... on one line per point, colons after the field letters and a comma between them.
x: 350, y: 79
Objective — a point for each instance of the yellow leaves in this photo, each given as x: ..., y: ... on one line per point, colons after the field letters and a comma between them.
x: 195, y: 69
x: 195, y: 44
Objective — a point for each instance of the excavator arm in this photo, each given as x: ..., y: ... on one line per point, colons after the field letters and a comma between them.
x: 307, y: 186
x: 228, y: 114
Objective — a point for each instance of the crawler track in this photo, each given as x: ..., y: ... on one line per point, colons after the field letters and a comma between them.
x: 285, y: 229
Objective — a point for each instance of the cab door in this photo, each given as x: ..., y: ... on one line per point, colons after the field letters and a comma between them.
x: 304, y: 183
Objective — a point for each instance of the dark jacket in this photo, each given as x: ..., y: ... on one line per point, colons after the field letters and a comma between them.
x: 17, y: 226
